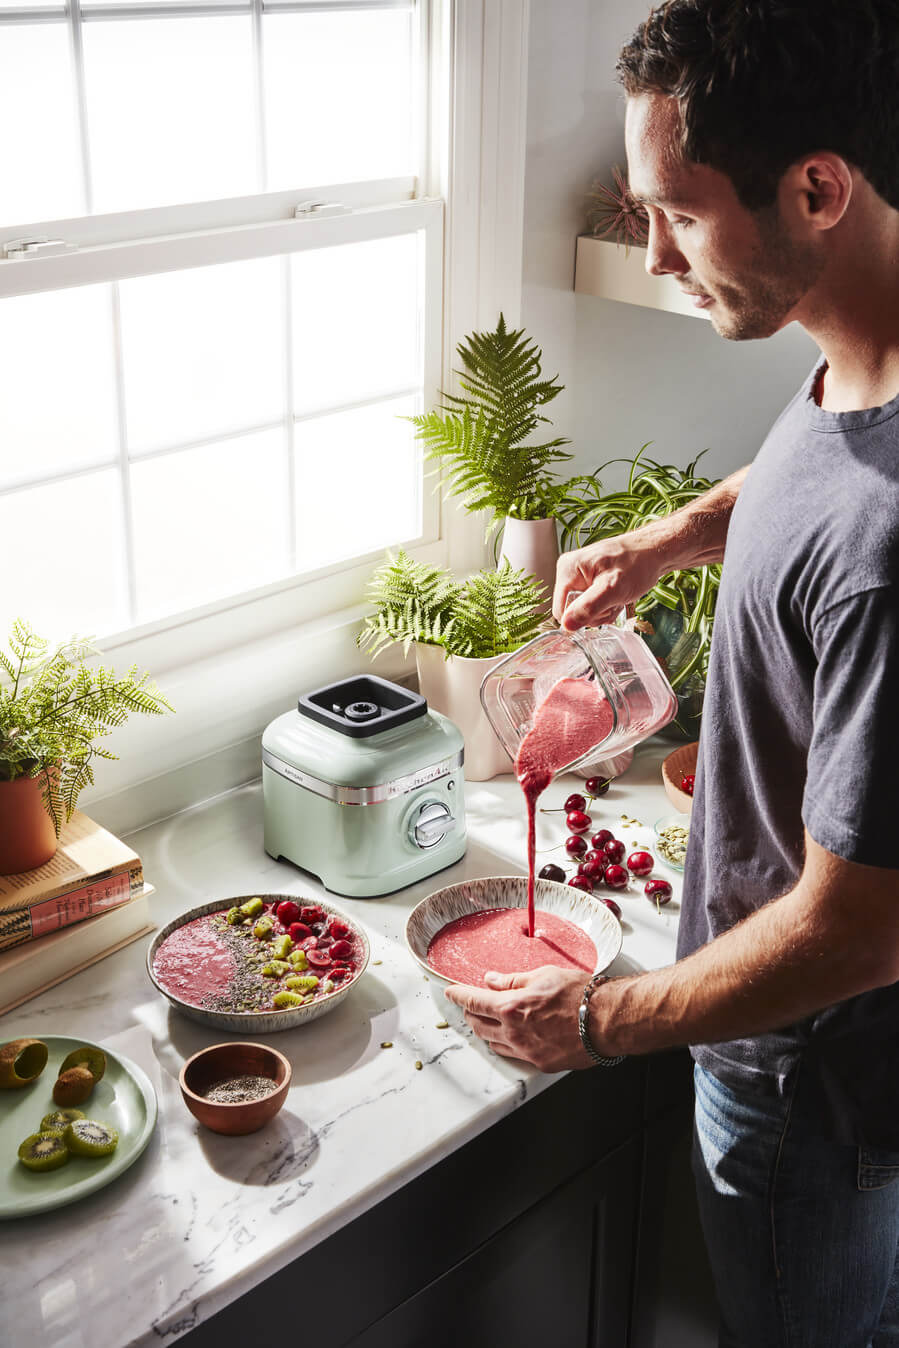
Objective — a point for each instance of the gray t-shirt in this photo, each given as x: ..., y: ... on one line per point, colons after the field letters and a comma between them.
x: 801, y: 727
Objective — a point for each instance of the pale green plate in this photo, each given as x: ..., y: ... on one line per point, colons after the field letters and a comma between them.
x: 124, y: 1099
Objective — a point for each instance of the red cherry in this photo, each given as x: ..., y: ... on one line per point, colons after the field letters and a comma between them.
x: 596, y: 786
x: 339, y: 972
x: 616, y: 877
x: 338, y: 928
x: 310, y: 915
x: 298, y: 931
x: 575, y: 802
x: 581, y: 882
x: 600, y: 839
x: 592, y: 869
x: 610, y: 903
x: 640, y: 863
x: 614, y: 850
x: 340, y: 950
x: 318, y: 959
x: 658, y: 891
x: 551, y: 872
x: 575, y: 846
x: 310, y: 943
x: 287, y: 912
x: 593, y: 855
x: 578, y: 822
x: 687, y: 782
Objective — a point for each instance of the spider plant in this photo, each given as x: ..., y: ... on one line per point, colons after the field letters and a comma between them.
x: 615, y: 212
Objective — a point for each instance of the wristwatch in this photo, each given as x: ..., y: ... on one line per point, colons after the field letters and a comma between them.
x: 596, y: 1058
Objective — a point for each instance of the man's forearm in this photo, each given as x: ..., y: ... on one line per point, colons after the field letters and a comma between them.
x: 695, y: 534
x: 781, y: 964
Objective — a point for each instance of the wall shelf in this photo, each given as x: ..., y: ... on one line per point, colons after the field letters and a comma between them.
x: 609, y: 270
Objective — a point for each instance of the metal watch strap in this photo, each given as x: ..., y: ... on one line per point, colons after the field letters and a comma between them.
x: 596, y: 1058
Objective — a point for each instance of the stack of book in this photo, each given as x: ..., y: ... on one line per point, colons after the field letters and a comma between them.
x: 89, y: 900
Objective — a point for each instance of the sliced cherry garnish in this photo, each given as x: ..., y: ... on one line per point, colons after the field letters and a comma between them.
x: 311, y: 915
x: 552, y: 872
x: 578, y: 822
x: 341, y: 950
x: 640, y: 863
x: 338, y: 928
x: 581, y: 882
x: 616, y: 877
x: 614, y: 850
x: 575, y: 846
x: 339, y: 972
x: 318, y: 959
x: 310, y: 943
x: 298, y: 931
x: 600, y: 839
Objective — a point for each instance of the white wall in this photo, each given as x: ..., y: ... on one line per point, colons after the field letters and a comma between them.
x: 631, y: 374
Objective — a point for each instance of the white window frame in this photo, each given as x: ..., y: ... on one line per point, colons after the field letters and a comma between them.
x: 229, y: 670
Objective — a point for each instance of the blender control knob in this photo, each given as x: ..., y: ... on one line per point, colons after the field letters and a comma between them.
x: 431, y: 824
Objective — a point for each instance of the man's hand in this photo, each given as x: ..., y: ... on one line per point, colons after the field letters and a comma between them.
x: 532, y: 1016
x: 606, y: 577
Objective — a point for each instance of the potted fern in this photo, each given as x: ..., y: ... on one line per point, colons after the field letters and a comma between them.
x: 53, y: 708
x: 676, y: 615
x: 460, y: 630
x: 481, y: 438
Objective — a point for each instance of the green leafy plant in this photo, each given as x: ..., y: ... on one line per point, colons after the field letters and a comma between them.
x: 677, y: 614
x: 480, y: 437
x: 491, y: 613
x: 53, y: 708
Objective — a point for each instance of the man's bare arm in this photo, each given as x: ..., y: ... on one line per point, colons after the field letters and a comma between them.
x: 619, y: 571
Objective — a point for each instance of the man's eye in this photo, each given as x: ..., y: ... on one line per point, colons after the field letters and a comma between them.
x: 680, y: 222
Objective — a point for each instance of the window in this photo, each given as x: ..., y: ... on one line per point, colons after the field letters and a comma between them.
x: 206, y: 377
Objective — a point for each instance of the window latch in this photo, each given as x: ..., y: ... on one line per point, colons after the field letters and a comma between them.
x: 307, y: 209
x: 36, y: 247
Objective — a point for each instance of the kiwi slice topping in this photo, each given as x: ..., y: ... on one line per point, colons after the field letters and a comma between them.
x: 59, y: 1119
x: 94, y: 1059
x: 21, y: 1062
x: 72, y: 1087
x: 43, y: 1151
x: 86, y: 1137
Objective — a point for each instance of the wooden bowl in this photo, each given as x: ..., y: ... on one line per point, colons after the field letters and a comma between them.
x: 219, y: 1063
x: 681, y: 761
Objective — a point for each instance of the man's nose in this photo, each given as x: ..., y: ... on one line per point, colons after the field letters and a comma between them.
x: 662, y: 255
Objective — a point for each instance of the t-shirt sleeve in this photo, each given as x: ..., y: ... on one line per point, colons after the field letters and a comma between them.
x: 851, y: 792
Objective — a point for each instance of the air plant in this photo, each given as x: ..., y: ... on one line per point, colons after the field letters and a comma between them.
x: 617, y: 213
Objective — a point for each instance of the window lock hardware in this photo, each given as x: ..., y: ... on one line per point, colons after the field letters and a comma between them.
x: 36, y: 247
x: 307, y: 209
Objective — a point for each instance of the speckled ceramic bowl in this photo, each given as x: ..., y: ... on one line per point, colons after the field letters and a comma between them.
x: 511, y: 891
x: 258, y: 1022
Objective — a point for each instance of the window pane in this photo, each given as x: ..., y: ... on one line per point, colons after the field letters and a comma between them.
x: 338, y: 96
x: 356, y: 329
x: 170, y: 110
x: 58, y: 405
x: 40, y: 168
x: 357, y: 482
x: 64, y: 550
x: 209, y: 522
x: 202, y: 352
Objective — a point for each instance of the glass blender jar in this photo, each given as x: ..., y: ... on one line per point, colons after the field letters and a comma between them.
x: 616, y: 660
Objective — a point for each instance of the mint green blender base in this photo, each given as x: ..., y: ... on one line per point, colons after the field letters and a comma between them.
x: 358, y: 850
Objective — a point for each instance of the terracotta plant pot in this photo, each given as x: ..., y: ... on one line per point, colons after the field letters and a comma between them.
x: 532, y: 546
x: 453, y: 687
x: 27, y: 836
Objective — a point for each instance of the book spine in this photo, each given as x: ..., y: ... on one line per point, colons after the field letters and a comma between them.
x: 63, y: 910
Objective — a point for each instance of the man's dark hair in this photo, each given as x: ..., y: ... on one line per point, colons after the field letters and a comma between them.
x: 760, y: 83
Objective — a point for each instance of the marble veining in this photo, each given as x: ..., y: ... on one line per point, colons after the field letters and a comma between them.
x: 199, y: 1219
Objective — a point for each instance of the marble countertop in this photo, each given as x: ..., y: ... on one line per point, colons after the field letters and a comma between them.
x: 200, y: 1218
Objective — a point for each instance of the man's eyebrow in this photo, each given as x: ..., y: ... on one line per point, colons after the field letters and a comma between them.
x: 671, y: 203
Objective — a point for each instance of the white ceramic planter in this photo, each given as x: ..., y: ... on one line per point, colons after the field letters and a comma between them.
x: 453, y: 687
x: 532, y: 546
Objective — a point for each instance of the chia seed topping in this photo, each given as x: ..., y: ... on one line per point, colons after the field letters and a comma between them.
x: 238, y: 1090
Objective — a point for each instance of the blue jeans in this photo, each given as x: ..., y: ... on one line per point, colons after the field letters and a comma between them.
x: 802, y: 1232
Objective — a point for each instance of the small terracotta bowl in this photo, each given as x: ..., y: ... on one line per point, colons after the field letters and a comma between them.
x: 221, y: 1062
x: 681, y: 761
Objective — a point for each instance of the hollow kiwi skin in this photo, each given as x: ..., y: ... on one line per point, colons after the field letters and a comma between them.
x: 94, y: 1059
x: 73, y: 1086
x: 79, y: 1141
x: 43, y: 1151
x: 37, y: 1054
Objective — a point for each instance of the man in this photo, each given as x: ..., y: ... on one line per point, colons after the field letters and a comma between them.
x: 763, y: 138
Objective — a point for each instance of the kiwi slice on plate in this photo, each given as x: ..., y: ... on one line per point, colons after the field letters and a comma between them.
x: 86, y: 1137
x: 21, y: 1062
x: 43, y: 1151
x: 94, y: 1059
x: 58, y: 1120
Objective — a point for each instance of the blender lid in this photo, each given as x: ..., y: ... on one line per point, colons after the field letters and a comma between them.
x: 362, y: 706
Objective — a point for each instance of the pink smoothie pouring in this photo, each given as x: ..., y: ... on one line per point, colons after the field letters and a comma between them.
x: 573, y: 717
x: 498, y: 939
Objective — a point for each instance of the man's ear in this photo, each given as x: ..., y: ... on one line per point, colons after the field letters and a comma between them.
x: 819, y: 188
